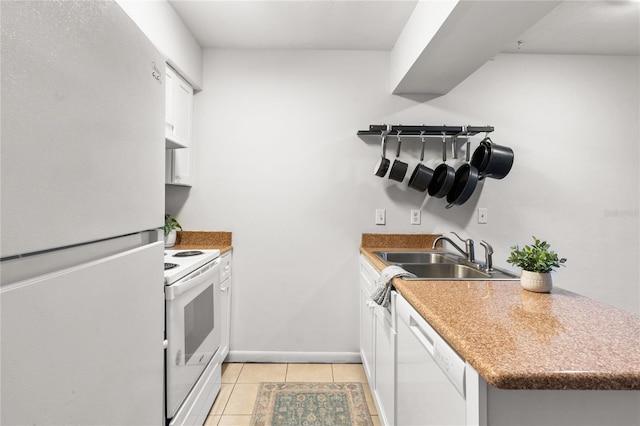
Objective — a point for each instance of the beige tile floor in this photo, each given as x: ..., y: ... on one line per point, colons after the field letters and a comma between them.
x: 239, y: 390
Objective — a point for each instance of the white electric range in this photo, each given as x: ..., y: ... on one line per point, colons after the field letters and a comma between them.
x: 193, y: 334
x: 178, y: 263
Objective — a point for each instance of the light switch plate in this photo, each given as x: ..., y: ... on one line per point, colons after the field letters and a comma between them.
x: 483, y: 215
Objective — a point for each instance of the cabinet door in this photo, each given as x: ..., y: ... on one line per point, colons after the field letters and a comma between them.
x: 182, y: 170
x: 178, y: 106
x: 178, y: 128
x: 385, y: 345
x: 183, y: 104
x: 366, y: 333
x: 168, y: 165
x: 169, y: 123
x: 225, y: 305
x: 225, y: 298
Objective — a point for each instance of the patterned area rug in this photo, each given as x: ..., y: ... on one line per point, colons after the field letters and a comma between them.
x: 310, y: 404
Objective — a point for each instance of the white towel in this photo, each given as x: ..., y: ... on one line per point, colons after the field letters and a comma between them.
x: 382, y: 294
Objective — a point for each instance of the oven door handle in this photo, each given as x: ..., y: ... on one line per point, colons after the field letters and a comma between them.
x: 194, y: 280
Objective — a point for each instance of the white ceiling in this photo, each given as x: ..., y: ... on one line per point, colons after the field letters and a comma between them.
x: 585, y: 27
x: 299, y: 24
x: 574, y: 27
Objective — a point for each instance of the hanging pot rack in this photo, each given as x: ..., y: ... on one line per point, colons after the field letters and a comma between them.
x: 422, y: 130
x: 462, y: 182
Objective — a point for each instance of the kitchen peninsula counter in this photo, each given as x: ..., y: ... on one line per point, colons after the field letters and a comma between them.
x: 517, y: 339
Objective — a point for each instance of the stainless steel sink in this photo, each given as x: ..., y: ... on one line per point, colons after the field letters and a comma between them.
x: 415, y: 257
x: 441, y: 266
x: 444, y: 271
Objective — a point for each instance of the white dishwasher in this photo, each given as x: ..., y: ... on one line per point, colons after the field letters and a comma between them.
x: 430, y: 375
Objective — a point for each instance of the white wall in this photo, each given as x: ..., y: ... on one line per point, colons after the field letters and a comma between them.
x: 162, y: 25
x: 279, y: 164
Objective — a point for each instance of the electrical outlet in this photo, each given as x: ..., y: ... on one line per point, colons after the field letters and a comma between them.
x: 483, y: 215
x: 381, y: 216
x: 415, y: 217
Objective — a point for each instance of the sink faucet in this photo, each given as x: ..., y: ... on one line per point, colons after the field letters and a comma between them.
x: 469, y: 254
x: 488, y: 252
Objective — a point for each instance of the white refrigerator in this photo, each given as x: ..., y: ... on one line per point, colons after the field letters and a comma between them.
x: 82, y: 198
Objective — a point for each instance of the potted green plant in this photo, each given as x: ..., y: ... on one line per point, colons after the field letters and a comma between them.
x: 170, y: 227
x: 537, y: 261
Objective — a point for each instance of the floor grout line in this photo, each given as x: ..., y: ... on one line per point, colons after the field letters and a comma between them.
x: 233, y: 388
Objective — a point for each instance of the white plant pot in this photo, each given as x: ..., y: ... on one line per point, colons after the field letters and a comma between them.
x: 170, y: 239
x: 539, y: 282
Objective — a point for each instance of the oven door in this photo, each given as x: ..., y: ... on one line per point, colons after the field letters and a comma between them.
x: 193, y: 330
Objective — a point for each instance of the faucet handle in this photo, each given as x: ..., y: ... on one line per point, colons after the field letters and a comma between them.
x: 471, y: 256
x: 486, y: 246
x: 488, y: 252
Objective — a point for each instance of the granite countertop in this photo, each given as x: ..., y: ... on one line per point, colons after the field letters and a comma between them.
x: 191, y: 240
x: 517, y: 339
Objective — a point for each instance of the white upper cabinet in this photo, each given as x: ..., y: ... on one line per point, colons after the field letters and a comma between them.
x: 178, y: 129
x: 178, y: 112
x: 169, y: 125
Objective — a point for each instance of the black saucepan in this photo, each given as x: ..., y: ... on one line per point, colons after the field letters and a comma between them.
x: 443, y: 176
x: 383, y: 163
x: 398, y: 168
x: 422, y: 175
x: 464, y: 184
x: 491, y: 160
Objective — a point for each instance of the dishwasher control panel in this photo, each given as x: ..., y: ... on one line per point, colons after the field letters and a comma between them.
x: 450, y: 363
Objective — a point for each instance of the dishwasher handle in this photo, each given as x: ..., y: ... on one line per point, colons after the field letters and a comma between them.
x: 422, y: 334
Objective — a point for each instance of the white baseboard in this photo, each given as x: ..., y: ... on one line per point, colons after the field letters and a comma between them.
x: 295, y: 357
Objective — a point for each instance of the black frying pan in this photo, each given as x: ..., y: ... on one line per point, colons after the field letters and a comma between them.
x: 398, y: 168
x: 465, y: 183
x: 443, y: 175
x: 383, y: 163
x: 422, y: 175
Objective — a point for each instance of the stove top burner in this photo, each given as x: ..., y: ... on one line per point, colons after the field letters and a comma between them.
x: 188, y: 253
x: 185, y: 262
